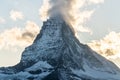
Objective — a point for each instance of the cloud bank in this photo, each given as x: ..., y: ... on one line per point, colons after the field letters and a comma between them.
x: 19, y: 36
x: 74, y: 12
x: 14, y: 40
x: 109, y: 46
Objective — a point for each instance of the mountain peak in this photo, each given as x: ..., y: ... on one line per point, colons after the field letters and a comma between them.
x: 56, y: 54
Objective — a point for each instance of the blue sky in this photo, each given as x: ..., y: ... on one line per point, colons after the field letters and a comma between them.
x: 104, y: 20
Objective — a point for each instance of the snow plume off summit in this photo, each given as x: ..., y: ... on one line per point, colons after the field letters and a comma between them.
x: 74, y: 12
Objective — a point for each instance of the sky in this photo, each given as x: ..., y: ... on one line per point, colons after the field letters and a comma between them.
x: 20, y: 22
x: 105, y: 19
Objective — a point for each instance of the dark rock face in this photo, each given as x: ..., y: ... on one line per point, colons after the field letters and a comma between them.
x: 56, y: 54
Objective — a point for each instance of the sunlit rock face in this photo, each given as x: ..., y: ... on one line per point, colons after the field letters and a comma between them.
x: 56, y: 54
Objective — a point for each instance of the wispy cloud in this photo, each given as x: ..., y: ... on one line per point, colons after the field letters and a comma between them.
x: 97, y: 1
x: 2, y: 20
x: 108, y: 46
x: 15, y: 15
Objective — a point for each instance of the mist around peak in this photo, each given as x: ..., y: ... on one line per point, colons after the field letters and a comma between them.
x: 72, y: 11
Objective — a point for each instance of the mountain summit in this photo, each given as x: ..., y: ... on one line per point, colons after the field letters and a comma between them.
x: 56, y: 54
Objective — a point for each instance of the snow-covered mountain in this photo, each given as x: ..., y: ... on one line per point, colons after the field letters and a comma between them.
x: 56, y: 54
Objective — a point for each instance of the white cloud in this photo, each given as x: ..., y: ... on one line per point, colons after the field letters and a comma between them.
x: 15, y: 15
x: 2, y: 20
x: 108, y: 46
x: 21, y: 37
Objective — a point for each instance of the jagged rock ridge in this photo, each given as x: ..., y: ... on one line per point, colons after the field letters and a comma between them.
x: 56, y: 54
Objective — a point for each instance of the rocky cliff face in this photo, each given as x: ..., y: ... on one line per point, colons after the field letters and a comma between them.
x: 56, y: 54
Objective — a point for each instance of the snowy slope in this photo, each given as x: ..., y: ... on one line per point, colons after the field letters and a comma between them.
x: 56, y: 54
